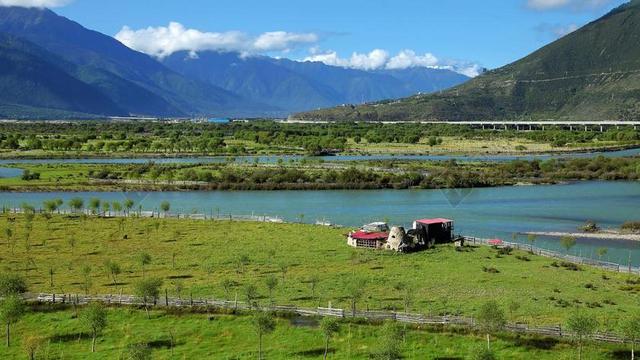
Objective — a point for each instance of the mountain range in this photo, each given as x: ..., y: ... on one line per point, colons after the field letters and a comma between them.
x: 590, y: 74
x: 54, y: 67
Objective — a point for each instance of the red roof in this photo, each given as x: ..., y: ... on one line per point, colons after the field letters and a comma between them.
x: 434, y: 221
x: 361, y: 235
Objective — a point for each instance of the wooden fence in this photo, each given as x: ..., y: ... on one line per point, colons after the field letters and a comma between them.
x: 416, y: 319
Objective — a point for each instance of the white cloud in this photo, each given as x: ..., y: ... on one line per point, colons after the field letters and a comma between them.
x: 163, y: 41
x: 573, y: 4
x: 35, y: 3
x: 281, y: 40
x: 408, y: 58
x: 379, y: 59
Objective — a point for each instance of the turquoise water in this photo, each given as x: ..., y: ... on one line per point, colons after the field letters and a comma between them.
x: 486, y: 212
x: 274, y: 159
x: 9, y: 172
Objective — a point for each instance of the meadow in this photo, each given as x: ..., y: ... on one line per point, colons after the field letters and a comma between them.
x: 312, y: 266
x: 58, y: 334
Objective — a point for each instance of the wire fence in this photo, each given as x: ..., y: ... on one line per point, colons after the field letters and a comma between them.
x: 408, y: 318
x: 604, y: 265
x: 153, y: 214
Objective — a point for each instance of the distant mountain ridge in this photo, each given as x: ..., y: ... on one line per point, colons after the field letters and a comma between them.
x: 97, y: 75
x: 137, y: 82
x: 294, y: 85
x: 590, y: 74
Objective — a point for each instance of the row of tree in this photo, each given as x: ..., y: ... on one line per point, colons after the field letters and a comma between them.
x: 490, y: 319
x: 204, y: 137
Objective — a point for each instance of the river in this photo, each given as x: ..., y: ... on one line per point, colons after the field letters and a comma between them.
x: 483, y: 212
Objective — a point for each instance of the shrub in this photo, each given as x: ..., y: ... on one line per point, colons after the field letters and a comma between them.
x: 590, y: 227
x: 631, y: 226
x: 490, y: 270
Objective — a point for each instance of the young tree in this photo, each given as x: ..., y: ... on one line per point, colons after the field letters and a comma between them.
x: 355, y: 291
x: 76, y: 204
x: 113, y: 269
x: 329, y: 326
x: 8, y: 233
x: 271, y: 282
x: 11, y: 284
x: 148, y: 290
x: 264, y: 324
x: 106, y: 208
x: 568, y: 242
x: 483, y: 354
x: 144, y: 259
x: 490, y: 319
x: 86, y: 279
x: 165, y: 206
x: 532, y: 238
x: 601, y: 252
x: 94, y: 205
x: 514, y: 306
x: 31, y: 345
x: 128, y: 204
x: 50, y: 206
x: 226, y: 286
x: 11, y: 310
x: 116, y: 206
x: 313, y: 283
x: 284, y: 268
x: 51, y: 273
x: 389, y: 345
x: 582, y: 326
x: 250, y: 293
x: 630, y: 329
x: 139, y: 351
x: 94, y: 318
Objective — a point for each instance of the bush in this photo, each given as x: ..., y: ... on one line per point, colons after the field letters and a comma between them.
x: 490, y: 270
x: 483, y: 354
x: 27, y: 175
x: 631, y: 226
x: 590, y: 227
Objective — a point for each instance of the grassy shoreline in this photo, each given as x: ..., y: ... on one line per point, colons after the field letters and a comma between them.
x: 307, y: 174
x: 26, y: 155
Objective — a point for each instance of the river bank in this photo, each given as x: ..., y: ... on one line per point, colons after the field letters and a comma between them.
x: 611, y: 235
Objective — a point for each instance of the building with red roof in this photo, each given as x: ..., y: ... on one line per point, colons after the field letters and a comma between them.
x: 425, y: 234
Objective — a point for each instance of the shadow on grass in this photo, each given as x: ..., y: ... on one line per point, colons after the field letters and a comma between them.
x: 163, y: 344
x: 175, y: 277
x: 110, y: 285
x: 541, y: 343
x: 314, y: 352
x: 63, y: 338
x: 621, y: 354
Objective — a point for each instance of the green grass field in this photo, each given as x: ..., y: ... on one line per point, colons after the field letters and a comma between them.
x: 199, y: 256
x: 211, y: 336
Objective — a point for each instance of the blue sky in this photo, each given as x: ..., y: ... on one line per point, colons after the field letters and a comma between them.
x: 490, y: 32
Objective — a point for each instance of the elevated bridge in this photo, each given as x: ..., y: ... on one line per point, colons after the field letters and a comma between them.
x: 520, y: 125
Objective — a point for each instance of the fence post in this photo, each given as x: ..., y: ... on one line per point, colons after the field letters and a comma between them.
x: 191, y: 298
x: 53, y: 297
x: 166, y: 297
